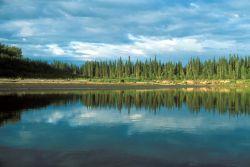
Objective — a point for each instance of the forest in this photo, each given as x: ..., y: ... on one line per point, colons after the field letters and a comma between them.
x: 233, y: 67
x: 13, y: 64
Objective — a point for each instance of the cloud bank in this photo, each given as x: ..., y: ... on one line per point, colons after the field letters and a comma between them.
x: 106, y: 29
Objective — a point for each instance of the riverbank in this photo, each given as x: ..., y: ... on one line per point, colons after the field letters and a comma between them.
x: 84, y: 84
x: 80, y: 84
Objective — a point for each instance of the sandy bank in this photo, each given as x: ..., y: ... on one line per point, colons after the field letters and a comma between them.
x: 66, y: 84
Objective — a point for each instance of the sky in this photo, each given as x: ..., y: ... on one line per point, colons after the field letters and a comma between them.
x: 81, y: 30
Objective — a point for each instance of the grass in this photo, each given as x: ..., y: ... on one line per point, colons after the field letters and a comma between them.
x: 218, y: 82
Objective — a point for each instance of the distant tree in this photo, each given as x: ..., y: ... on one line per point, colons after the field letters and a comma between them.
x: 10, y: 51
x: 233, y: 67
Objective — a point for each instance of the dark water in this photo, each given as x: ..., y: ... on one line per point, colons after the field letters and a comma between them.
x: 125, y: 128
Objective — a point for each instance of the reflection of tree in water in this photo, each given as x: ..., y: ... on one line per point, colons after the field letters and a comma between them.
x: 232, y: 102
x: 13, y: 105
x: 223, y: 102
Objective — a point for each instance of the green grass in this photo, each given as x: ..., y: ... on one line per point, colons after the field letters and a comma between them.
x: 161, y: 81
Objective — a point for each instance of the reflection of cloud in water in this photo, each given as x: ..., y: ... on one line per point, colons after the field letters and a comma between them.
x: 167, y: 123
x: 24, y: 136
x: 55, y: 117
x: 137, y: 121
x: 87, y: 115
x: 135, y: 117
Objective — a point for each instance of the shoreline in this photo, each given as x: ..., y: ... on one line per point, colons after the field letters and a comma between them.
x: 84, y: 84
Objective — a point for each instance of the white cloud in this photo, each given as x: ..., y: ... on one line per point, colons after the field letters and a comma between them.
x: 139, y: 46
x: 55, y: 49
x: 148, y: 46
x: 3, y: 39
x: 22, y: 28
x: 90, y: 51
x: 236, y: 15
x: 194, y: 5
x: 25, y: 32
x: 159, y: 45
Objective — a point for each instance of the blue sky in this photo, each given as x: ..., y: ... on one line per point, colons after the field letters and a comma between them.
x: 79, y: 30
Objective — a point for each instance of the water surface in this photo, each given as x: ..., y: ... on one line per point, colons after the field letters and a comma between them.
x: 125, y: 128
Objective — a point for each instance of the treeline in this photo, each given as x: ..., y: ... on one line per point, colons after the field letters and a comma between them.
x: 12, y: 64
x: 233, y: 67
